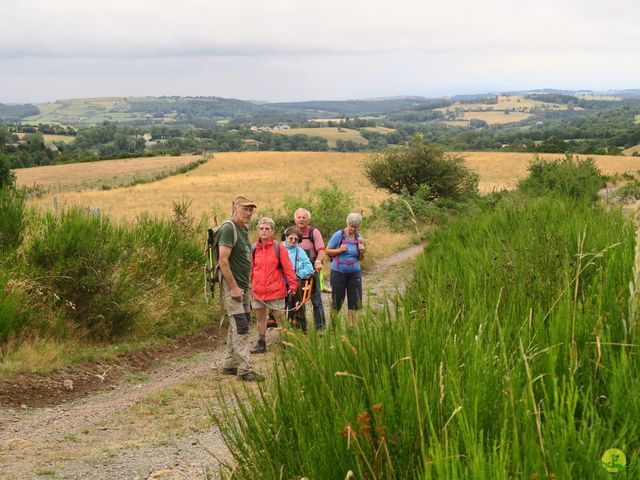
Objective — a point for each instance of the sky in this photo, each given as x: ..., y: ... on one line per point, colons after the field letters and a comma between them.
x: 294, y: 50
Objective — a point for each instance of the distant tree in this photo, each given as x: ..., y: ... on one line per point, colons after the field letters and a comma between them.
x: 405, y: 170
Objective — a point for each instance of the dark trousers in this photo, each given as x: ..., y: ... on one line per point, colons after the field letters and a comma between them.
x: 316, y: 301
x: 349, y: 285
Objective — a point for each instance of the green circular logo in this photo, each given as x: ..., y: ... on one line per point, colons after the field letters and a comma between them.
x: 614, y: 462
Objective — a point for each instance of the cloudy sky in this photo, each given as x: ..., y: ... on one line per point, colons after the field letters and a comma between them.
x: 286, y: 50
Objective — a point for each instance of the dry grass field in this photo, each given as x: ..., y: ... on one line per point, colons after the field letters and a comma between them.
x: 267, y: 176
x: 332, y: 134
x: 632, y: 150
x: 505, y: 103
x: 502, y: 170
x: 383, y: 130
x: 49, y: 137
x: 92, y: 175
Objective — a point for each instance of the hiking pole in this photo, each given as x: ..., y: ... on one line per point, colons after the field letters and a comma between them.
x: 209, y: 267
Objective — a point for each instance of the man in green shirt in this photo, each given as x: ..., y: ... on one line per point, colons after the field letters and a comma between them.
x: 235, y: 265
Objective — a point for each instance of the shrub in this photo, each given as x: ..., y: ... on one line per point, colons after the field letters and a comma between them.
x: 329, y: 207
x: 580, y: 179
x: 410, y: 212
x: 12, y: 222
x: 79, y: 253
x: 8, y: 310
x: 405, y: 170
x: 7, y: 177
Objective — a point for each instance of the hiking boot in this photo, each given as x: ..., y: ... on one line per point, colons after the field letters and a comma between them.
x: 251, y: 377
x: 230, y: 371
x: 260, y: 347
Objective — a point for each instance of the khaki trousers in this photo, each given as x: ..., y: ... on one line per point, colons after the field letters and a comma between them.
x: 238, y: 345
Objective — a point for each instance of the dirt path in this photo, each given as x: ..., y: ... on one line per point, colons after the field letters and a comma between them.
x: 149, y: 417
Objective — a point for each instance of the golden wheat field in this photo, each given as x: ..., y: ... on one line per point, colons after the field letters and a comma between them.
x: 502, y: 170
x: 267, y: 176
x: 92, y: 175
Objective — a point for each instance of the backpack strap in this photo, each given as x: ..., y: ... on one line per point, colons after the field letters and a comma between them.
x: 345, y: 240
x: 235, y: 230
x: 276, y: 246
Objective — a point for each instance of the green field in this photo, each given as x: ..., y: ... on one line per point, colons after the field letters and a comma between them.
x: 86, y: 111
x: 332, y: 134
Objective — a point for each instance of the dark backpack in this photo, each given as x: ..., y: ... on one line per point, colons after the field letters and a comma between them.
x: 212, y: 254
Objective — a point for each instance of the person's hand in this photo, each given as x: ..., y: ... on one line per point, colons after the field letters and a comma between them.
x: 343, y: 248
x: 360, y: 246
x: 236, y: 293
x: 317, y: 265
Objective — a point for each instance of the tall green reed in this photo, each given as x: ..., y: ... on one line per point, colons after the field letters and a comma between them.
x: 510, y: 357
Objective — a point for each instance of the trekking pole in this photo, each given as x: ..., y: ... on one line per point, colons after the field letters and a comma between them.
x: 209, y: 267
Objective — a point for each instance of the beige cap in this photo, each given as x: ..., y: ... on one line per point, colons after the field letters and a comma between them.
x: 244, y: 201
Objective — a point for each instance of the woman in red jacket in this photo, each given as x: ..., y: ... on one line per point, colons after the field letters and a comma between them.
x: 272, y: 276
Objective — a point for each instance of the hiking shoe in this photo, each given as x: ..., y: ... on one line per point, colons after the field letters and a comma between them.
x: 230, y: 371
x: 251, y: 377
x: 260, y: 347
x: 271, y: 323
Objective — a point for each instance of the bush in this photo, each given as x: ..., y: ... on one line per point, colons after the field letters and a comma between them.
x: 410, y: 212
x: 569, y: 177
x: 9, y: 305
x: 12, y: 204
x: 80, y: 253
x: 405, y: 170
x: 7, y: 177
x: 329, y: 207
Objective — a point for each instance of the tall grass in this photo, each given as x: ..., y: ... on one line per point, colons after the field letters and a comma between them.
x: 510, y: 356
x: 12, y: 217
x: 82, y: 277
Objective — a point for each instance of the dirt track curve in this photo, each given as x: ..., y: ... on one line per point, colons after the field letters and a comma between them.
x: 144, y: 416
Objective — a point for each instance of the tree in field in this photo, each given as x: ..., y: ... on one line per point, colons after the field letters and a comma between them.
x: 406, y: 170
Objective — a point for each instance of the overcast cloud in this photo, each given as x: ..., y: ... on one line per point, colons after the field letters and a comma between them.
x: 302, y: 50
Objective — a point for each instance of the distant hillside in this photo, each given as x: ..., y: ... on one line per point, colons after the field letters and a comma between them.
x: 13, y: 113
x: 351, y: 107
x: 208, y: 112
x: 202, y: 111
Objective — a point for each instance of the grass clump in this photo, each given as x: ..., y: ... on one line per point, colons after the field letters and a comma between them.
x: 512, y: 355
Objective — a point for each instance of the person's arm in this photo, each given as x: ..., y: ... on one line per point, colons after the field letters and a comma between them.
x: 225, y: 268
x: 318, y: 244
x: 304, y: 267
x: 333, y: 247
x: 360, y: 248
x: 287, y: 268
